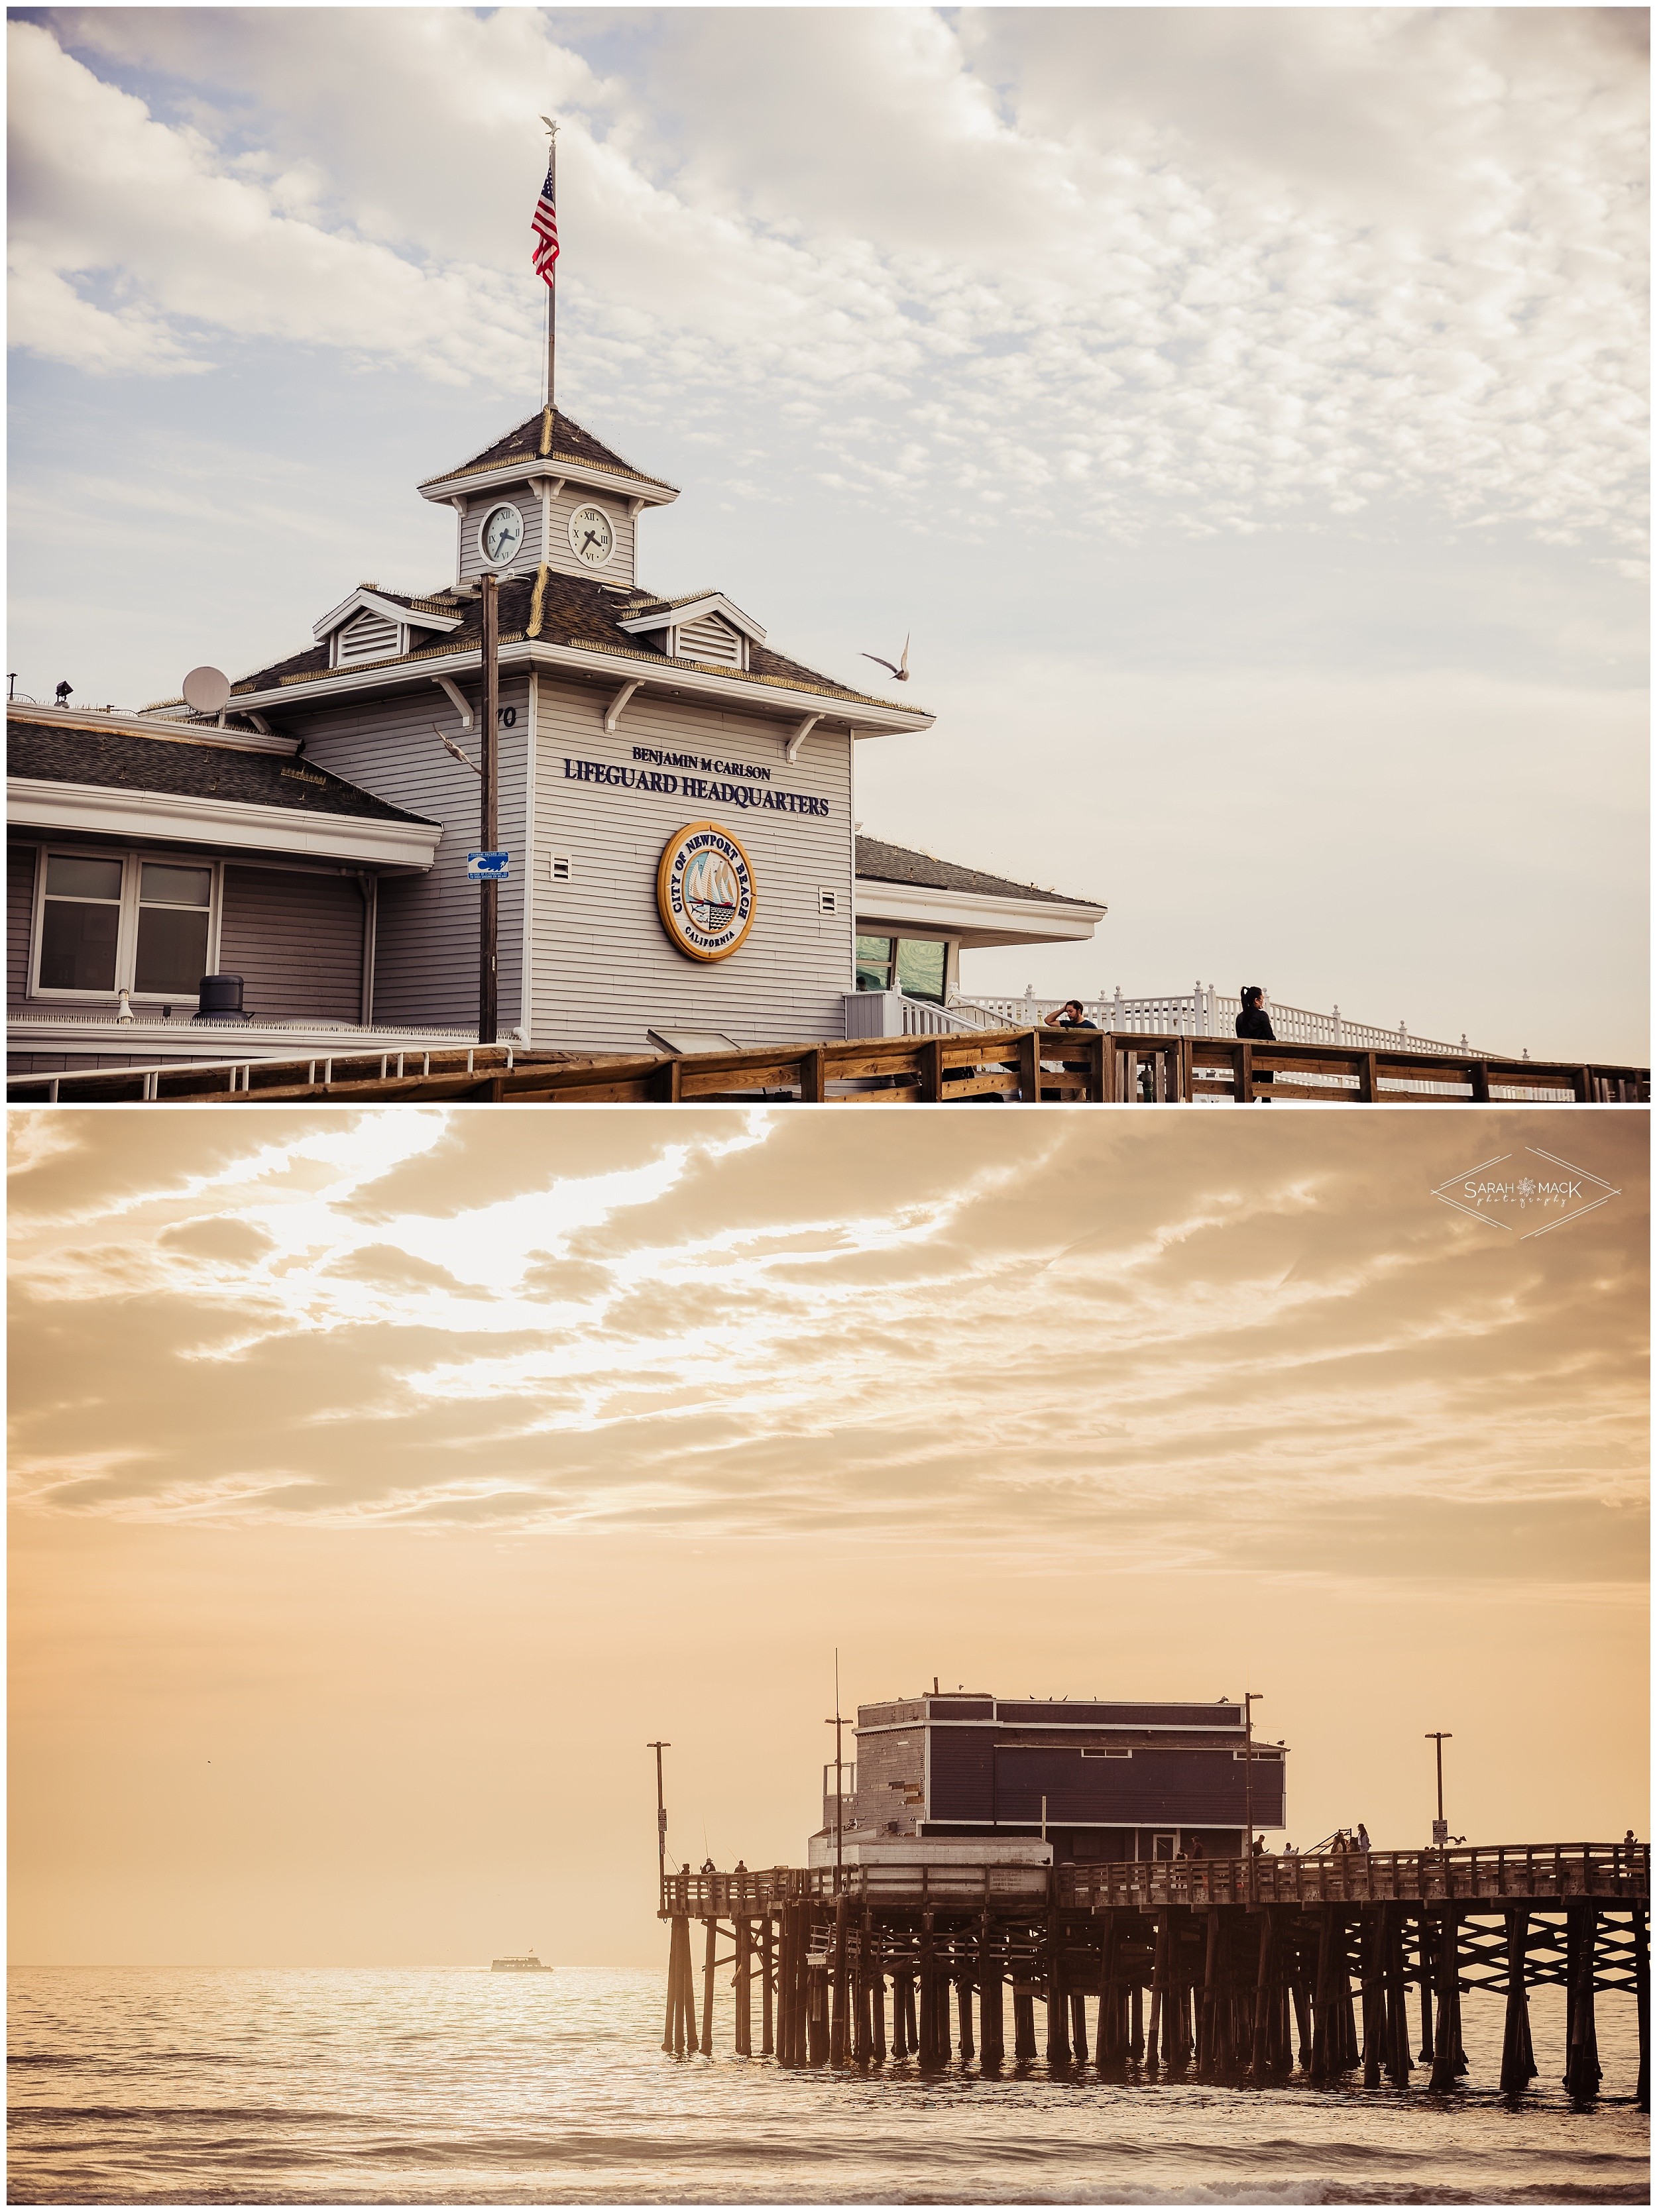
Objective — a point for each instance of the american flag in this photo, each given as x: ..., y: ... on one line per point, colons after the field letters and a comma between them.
x: 544, y: 224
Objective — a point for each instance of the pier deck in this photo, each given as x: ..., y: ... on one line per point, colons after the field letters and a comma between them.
x: 1242, y: 1968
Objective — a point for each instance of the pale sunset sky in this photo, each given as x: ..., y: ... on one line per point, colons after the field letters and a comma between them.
x: 1242, y: 409
x: 383, y: 1482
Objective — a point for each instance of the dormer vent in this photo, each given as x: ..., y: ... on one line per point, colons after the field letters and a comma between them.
x: 711, y: 639
x: 370, y: 637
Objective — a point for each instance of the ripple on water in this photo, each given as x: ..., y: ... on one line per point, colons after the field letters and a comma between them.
x: 215, y: 2087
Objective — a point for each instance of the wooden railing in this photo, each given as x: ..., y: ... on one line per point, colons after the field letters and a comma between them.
x: 1494, y: 1871
x: 1027, y: 1065
x: 1490, y: 1873
x: 1203, y: 1012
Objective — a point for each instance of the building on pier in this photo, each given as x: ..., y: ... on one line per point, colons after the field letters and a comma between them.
x: 1093, y: 1779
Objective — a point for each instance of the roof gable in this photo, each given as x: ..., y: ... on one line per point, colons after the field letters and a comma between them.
x: 396, y: 606
x: 640, y: 618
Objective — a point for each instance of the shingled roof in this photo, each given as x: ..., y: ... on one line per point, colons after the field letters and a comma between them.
x: 575, y: 610
x: 879, y: 862
x: 186, y: 768
x: 569, y: 442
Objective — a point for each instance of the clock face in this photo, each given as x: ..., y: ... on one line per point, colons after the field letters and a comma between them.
x: 501, y: 535
x: 592, y: 536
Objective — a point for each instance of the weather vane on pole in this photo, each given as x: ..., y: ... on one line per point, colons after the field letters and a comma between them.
x: 543, y: 259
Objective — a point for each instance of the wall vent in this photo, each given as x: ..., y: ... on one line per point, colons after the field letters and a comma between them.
x: 708, y: 638
x: 370, y: 637
x: 563, y: 868
x: 828, y: 901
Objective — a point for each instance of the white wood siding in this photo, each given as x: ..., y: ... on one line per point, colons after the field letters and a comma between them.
x: 426, y: 948
x: 618, y: 570
x: 604, y: 969
x: 295, y: 940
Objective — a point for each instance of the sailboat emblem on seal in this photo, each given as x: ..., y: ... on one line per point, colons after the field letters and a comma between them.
x: 704, y: 891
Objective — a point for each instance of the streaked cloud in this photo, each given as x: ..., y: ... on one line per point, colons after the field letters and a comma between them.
x: 1188, y: 1340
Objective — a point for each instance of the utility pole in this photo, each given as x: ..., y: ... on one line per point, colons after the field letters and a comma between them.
x: 1251, y: 1699
x: 1438, y: 1738
x: 661, y: 1820
x: 837, y: 1723
x: 489, y: 890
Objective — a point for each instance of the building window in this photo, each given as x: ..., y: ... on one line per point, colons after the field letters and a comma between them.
x: 920, y: 969
x: 80, y: 923
x: 110, y: 922
x: 174, y: 907
x: 1088, y: 1753
x: 874, y: 963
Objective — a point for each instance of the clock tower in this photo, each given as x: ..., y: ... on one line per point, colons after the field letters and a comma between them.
x: 548, y: 494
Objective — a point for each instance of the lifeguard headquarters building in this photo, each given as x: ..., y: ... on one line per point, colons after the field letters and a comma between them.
x: 678, y: 797
x: 962, y: 1775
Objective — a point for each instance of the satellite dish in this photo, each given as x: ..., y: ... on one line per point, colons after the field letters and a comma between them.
x: 207, y: 691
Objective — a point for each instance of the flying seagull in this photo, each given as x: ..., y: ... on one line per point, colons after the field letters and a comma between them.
x: 901, y: 674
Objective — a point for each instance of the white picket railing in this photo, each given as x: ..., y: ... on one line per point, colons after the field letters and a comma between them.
x: 1201, y: 1012
x: 894, y: 1013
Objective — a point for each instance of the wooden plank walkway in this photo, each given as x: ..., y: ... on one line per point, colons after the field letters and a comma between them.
x: 1020, y: 1066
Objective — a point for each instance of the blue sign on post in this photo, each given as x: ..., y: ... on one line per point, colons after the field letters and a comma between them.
x: 488, y: 867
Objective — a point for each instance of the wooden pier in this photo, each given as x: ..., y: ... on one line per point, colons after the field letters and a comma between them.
x: 1020, y: 1066
x: 1238, y: 1969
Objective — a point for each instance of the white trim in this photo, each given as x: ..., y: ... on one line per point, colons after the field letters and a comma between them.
x: 774, y: 700
x: 487, y: 559
x: 127, y: 907
x: 376, y: 603
x: 1154, y: 1728
x: 467, y: 485
x: 612, y: 713
x: 457, y: 699
x: 69, y: 809
x: 791, y: 749
x: 711, y: 603
x: 527, y: 958
x: 975, y: 917
x: 162, y: 728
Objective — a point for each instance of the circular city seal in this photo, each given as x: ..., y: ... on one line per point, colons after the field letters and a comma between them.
x: 704, y: 891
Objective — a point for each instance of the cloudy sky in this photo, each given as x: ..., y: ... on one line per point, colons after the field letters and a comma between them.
x: 1242, y: 408
x: 384, y: 1482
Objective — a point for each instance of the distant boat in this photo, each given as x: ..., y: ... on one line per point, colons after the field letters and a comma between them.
x: 528, y: 1964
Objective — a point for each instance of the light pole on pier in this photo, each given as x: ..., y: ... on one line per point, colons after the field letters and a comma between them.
x: 1438, y: 1738
x: 837, y: 1724
x: 1251, y: 1699
x: 661, y: 1820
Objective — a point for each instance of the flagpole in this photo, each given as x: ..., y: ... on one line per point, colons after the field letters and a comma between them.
x: 553, y: 288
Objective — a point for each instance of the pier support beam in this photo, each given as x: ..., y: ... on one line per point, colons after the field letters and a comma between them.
x: 1643, y: 2003
x: 1448, y: 2060
x: 1023, y: 2025
x: 743, y: 1933
x: 991, y: 2023
x: 1518, y: 2058
x: 1581, y: 2041
x: 1058, y: 2030
x: 767, y: 1991
x: 838, y: 1972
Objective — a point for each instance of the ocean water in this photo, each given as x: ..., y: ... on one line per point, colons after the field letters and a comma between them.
x: 193, y: 2086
